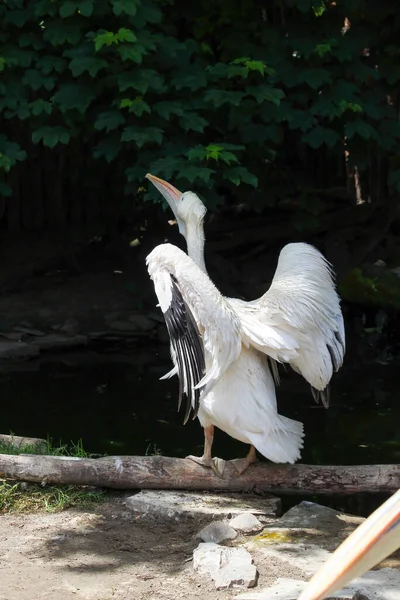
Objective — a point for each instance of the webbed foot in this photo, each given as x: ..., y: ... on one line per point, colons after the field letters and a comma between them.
x: 242, y: 464
x: 216, y: 464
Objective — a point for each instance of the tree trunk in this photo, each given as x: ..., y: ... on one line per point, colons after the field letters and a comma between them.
x: 160, y: 472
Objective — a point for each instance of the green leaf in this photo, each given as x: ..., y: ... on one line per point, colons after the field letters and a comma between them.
x: 220, y: 97
x: 138, y: 106
x: 109, y: 120
x: 11, y: 149
x: 59, y: 32
x: 2, y: 63
x: 166, y: 109
x: 51, y: 136
x: 5, y: 189
x: 166, y: 166
x: 266, y: 93
x: 40, y: 106
x: 318, y: 136
x: 17, y: 17
x: 301, y: 119
x: 124, y: 6
x: 108, y: 148
x: 315, y: 78
x: 125, y: 35
x: 361, y: 128
x: 74, y: 96
x: 197, y: 153
x: 322, y: 49
x: 5, y: 163
x: 190, y: 121
x: 240, y: 174
x: 192, y: 173
x: 193, y: 79
x: 86, y: 8
x: 140, y: 80
x: 150, y: 13
x: 351, y: 106
x: 105, y: 38
x: 133, y: 53
x: 35, y: 80
x: 67, y: 9
x: 214, y: 152
x: 47, y: 64
x: 142, y: 136
x: 91, y: 64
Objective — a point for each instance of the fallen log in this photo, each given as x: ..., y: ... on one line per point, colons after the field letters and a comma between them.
x: 162, y: 472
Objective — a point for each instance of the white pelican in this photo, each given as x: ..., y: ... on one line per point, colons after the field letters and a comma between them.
x: 375, y: 539
x: 224, y: 349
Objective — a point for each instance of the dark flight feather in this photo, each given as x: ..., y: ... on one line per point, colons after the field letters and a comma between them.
x: 189, y: 350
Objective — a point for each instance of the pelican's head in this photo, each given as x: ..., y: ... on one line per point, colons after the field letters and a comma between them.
x: 187, y: 206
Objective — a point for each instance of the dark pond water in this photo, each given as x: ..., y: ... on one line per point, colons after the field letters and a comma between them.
x: 117, y: 405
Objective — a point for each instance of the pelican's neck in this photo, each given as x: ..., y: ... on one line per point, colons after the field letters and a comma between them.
x: 195, y: 243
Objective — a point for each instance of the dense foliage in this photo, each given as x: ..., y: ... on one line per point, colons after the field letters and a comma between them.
x: 249, y: 100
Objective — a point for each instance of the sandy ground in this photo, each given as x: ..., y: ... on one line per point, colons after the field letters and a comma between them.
x: 104, y: 553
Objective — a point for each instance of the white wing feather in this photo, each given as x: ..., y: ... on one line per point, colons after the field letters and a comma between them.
x: 217, y: 321
x: 298, y: 320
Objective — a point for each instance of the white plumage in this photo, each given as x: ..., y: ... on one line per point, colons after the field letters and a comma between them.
x: 224, y: 349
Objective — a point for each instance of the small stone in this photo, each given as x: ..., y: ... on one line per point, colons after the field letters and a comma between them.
x: 207, y: 559
x: 246, y: 522
x: 217, y: 532
x: 237, y: 569
x: 228, y: 567
x: 71, y: 326
x: 54, y: 341
x: 10, y: 349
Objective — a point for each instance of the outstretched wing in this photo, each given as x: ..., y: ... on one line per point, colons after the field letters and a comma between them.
x: 205, y: 333
x: 299, y: 320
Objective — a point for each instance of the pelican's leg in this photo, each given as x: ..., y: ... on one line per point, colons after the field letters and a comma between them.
x: 216, y: 464
x: 241, y: 464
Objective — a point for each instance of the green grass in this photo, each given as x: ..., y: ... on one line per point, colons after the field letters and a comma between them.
x: 16, y: 498
x: 72, y: 449
x: 28, y: 498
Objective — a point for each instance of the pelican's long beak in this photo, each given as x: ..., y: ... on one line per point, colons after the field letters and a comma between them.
x: 171, y: 195
x: 375, y: 539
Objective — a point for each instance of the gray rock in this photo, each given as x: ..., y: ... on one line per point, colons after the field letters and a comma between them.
x: 228, y: 567
x: 10, y: 349
x: 303, y: 556
x: 141, y: 322
x: 383, y: 584
x: 123, y: 326
x: 306, y: 514
x: 29, y: 331
x: 288, y: 589
x: 217, y: 532
x: 54, y: 341
x: 71, y: 326
x: 246, y: 522
x: 178, y: 505
x: 26, y: 324
x: 13, y: 335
